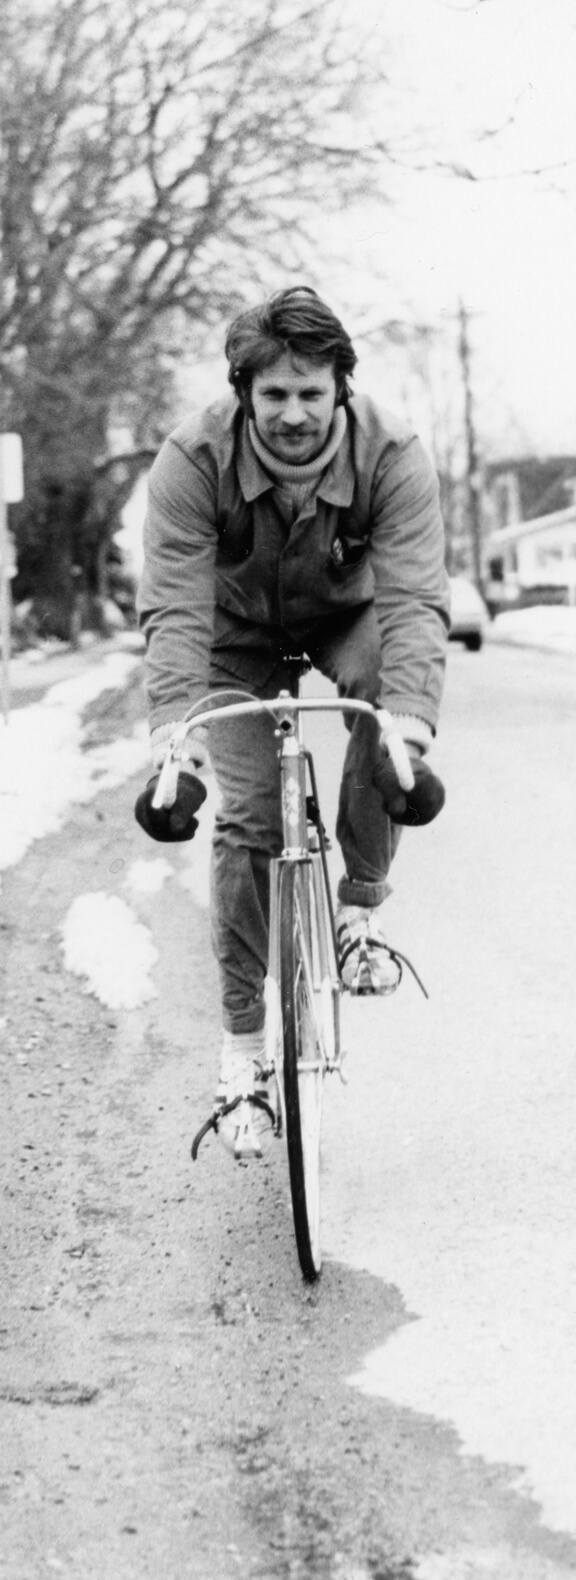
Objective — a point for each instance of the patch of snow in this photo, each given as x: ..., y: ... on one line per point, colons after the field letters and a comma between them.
x: 37, y: 655
x: 490, y: 1563
x: 551, y: 626
x: 43, y: 770
x: 148, y: 877
x: 110, y: 765
x: 76, y: 693
x: 103, y: 942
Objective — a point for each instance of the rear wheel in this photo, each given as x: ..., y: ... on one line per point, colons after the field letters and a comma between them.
x: 303, y: 1061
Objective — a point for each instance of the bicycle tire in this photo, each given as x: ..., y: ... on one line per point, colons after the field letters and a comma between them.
x: 303, y: 1070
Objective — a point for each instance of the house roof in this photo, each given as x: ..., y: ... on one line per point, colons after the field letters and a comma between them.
x: 528, y: 529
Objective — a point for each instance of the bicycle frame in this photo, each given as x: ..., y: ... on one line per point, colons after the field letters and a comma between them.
x: 287, y: 713
x: 305, y: 846
x: 303, y: 985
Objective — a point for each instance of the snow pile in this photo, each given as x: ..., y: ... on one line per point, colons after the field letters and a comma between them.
x: 43, y: 769
x: 148, y: 877
x: 551, y: 626
x: 104, y: 943
x: 110, y: 765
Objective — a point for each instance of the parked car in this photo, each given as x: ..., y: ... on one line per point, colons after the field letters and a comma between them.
x: 469, y: 614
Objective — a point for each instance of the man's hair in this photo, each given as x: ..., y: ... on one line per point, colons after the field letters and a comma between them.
x: 293, y: 320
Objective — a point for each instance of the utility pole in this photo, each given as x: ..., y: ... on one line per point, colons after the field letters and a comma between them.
x: 472, y: 463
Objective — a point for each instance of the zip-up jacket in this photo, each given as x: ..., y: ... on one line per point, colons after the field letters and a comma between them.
x: 225, y: 576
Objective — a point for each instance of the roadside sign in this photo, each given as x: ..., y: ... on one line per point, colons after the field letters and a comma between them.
x: 11, y: 468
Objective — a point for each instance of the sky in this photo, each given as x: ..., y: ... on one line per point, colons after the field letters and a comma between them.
x: 487, y: 88
x: 505, y: 243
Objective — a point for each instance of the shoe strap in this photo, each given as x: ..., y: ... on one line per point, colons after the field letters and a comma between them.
x: 362, y: 943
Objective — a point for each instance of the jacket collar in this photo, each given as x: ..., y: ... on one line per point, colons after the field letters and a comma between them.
x: 336, y: 486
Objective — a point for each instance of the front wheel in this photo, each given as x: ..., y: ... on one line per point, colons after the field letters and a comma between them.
x: 303, y: 1061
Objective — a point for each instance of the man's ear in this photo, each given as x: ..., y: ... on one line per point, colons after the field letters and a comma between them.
x: 343, y: 392
x: 244, y: 394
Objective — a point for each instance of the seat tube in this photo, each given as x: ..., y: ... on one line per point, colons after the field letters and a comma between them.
x: 293, y: 793
x: 272, y: 982
x: 273, y: 946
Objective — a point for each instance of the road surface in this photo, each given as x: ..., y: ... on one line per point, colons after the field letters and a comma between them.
x: 176, y: 1403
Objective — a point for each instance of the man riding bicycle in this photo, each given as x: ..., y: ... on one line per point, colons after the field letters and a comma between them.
x: 292, y: 517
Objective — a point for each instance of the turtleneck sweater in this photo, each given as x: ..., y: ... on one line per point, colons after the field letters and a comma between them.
x: 296, y: 485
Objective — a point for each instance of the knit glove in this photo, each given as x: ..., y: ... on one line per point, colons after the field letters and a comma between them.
x: 410, y: 807
x: 425, y: 800
x: 176, y: 823
x: 171, y: 824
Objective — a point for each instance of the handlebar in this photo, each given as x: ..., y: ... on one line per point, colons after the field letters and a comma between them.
x: 166, y: 789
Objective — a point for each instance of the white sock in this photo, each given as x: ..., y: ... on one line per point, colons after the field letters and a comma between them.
x: 242, y: 1048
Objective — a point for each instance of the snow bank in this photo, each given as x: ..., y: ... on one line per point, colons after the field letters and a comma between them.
x: 43, y: 769
x: 104, y: 943
x: 549, y: 626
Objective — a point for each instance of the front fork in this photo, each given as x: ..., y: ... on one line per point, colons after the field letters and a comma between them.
x: 326, y: 983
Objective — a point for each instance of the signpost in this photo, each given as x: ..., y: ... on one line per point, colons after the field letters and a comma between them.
x: 11, y: 492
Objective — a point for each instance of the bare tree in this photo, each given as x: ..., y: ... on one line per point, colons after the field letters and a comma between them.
x: 159, y: 161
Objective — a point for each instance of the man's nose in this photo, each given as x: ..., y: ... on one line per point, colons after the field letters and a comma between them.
x: 293, y: 412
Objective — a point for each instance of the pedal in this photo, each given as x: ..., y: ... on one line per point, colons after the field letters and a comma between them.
x: 366, y: 982
x: 363, y: 979
x: 246, y: 1144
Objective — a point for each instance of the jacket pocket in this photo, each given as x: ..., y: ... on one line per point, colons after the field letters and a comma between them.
x: 235, y: 536
x: 347, y: 554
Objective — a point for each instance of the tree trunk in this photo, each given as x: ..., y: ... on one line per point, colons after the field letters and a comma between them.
x: 55, y: 595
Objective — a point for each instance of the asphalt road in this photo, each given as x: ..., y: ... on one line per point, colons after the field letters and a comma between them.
x: 175, y: 1401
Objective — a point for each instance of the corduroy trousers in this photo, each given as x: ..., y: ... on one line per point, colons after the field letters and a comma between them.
x: 248, y: 829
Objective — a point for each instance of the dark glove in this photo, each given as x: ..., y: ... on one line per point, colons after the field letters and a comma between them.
x: 171, y: 824
x: 409, y: 807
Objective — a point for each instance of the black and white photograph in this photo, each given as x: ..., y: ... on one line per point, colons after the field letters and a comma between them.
x: 287, y: 790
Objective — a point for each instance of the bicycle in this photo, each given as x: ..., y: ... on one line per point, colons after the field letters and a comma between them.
x: 304, y: 985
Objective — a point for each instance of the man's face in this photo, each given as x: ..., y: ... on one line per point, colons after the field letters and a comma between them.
x: 293, y: 403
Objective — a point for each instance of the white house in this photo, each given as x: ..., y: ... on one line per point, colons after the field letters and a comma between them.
x: 540, y: 553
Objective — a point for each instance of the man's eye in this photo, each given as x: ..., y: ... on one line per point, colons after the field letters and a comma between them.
x: 281, y: 395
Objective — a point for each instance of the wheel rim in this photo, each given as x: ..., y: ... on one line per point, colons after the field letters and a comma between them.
x: 303, y: 1067
x: 310, y: 1085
